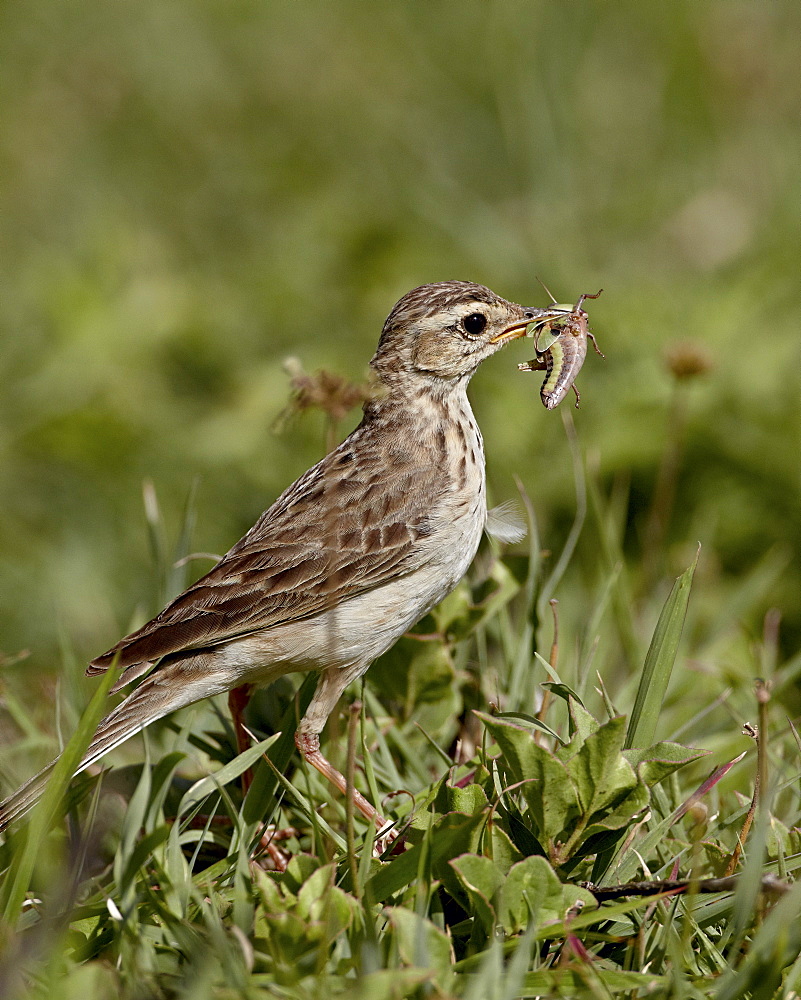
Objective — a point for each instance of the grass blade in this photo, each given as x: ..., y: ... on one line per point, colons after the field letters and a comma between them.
x: 30, y: 852
x: 659, y: 662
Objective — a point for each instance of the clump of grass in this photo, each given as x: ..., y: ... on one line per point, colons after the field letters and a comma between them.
x: 526, y: 789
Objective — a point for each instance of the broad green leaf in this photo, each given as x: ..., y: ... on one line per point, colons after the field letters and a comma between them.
x: 480, y: 878
x: 501, y: 849
x: 386, y: 984
x: 470, y: 799
x: 291, y: 919
x: 582, y: 726
x: 520, y: 832
x: 300, y: 869
x: 420, y: 943
x: 590, y: 914
x: 622, y: 866
x: 314, y: 890
x: 529, y: 720
x: 610, y: 792
x: 320, y: 900
x: 657, y: 762
x: 532, y: 891
x: 450, y: 835
x: 463, y: 611
x: 600, y: 772
x: 570, y: 801
x: 562, y: 690
x: 275, y: 897
x: 659, y: 662
x: 413, y: 672
x: 625, y: 812
x: 547, y: 785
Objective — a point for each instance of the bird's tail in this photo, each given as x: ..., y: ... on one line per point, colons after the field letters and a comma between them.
x: 170, y: 687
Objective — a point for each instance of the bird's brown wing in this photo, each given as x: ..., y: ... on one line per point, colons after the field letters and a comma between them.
x: 342, y: 529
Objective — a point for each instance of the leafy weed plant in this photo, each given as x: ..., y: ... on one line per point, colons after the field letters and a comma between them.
x: 520, y: 791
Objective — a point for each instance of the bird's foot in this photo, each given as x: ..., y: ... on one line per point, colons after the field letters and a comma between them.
x: 309, y: 746
x: 275, y: 858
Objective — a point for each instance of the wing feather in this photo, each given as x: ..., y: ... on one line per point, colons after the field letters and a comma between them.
x: 334, y: 534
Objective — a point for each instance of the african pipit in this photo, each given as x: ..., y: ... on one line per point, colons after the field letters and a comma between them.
x: 350, y: 556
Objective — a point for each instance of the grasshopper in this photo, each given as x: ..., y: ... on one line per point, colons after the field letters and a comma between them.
x: 561, y: 346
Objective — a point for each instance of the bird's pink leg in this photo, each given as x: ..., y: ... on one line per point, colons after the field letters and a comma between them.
x: 330, y: 685
x: 238, y: 699
x: 309, y: 745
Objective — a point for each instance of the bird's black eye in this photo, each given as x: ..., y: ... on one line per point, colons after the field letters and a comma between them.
x: 475, y: 323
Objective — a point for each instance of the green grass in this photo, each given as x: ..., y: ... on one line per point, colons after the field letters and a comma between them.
x: 160, y: 889
x: 193, y: 193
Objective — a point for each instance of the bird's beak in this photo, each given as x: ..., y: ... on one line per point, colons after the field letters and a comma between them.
x: 518, y: 329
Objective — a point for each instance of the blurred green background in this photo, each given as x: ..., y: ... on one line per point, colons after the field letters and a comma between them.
x: 190, y: 193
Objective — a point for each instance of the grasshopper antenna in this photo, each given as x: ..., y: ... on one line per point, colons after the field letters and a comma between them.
x: 549, y: 291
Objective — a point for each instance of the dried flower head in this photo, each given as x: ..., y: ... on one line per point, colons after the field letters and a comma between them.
x: 687, y: 359
x: 334, y: 394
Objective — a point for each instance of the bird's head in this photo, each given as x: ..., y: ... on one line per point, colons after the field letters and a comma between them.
x: 443, y: 331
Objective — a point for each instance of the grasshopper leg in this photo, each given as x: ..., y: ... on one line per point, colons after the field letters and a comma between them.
x: 535, y: 365
x: 595, y: 344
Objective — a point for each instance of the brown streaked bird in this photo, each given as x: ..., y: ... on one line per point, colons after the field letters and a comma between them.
x: 349, y: 557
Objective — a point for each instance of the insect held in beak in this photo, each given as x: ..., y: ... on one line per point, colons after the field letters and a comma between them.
x: 561, y: 346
